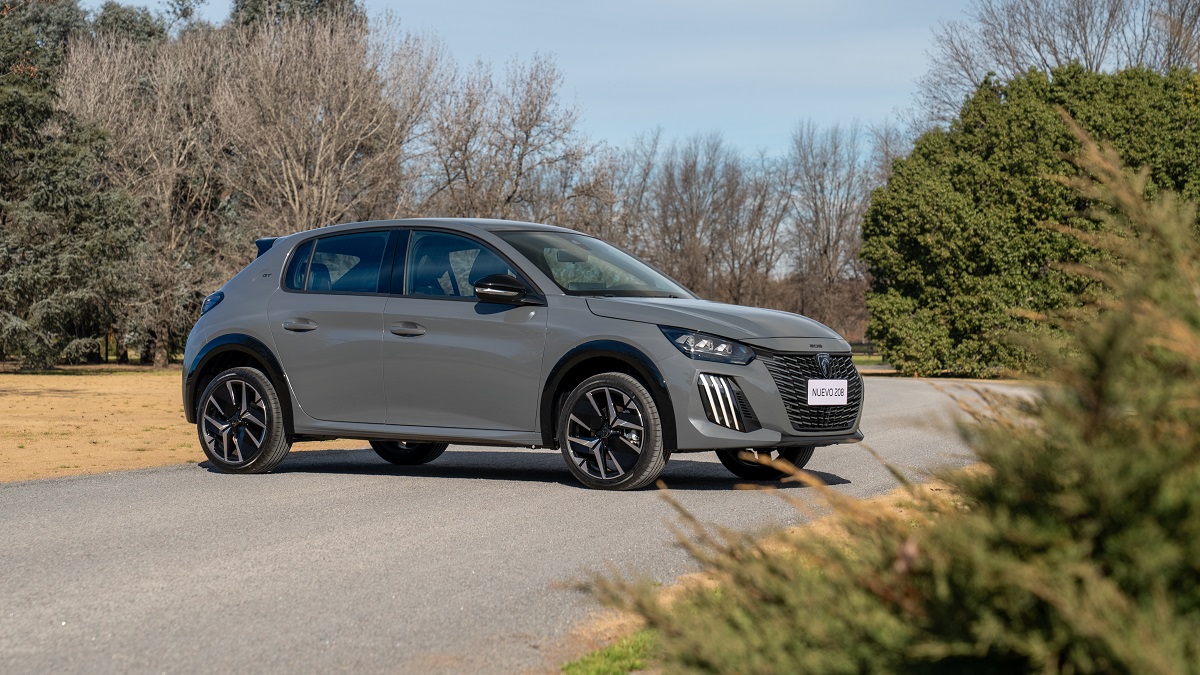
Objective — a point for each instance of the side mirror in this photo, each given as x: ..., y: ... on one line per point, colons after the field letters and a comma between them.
x: 501, y: 288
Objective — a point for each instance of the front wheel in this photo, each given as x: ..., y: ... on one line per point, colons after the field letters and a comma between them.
x: 751, y: 470
x: 406, y: 453
x: 240, y: 422
x: 610, y: 433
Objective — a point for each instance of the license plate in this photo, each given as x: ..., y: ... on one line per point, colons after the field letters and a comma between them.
x: 827, y: 392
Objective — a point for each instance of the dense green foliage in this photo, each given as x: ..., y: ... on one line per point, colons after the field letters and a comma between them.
x: 134, y: 23
x: 955, y: 242
x: 65, y: 237
x: 1076, y: 551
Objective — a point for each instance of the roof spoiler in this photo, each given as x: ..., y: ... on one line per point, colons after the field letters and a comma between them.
x: 264, y: 245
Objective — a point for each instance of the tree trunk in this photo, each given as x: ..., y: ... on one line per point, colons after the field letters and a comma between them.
x: 162, y: 346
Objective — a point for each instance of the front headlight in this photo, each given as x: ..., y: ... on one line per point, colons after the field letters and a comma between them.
x: 705, y: 347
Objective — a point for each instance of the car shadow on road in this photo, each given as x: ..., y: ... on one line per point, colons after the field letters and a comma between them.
x: 545, y: 466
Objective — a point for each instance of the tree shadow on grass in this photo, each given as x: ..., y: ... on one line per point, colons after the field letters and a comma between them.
x: 684, y: 471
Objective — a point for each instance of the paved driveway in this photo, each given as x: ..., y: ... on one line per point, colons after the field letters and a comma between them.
x: 340, y: 561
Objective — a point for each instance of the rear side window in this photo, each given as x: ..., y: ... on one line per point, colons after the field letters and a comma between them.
x: 347, y: 263
x: 297, y: 269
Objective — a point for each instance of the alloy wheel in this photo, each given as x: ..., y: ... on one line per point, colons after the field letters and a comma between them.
x: 235, y: 422
x: 605, y: 432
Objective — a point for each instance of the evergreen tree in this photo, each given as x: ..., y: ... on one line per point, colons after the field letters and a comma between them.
x: 126, y: 21
x: 65, y: 237
x: 955, y: 242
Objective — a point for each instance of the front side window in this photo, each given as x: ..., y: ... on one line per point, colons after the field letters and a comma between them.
x: 441, y: 264
x: 583, y: 265
x: 347, y: 263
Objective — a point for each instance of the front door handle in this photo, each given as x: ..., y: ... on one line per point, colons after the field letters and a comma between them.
x: 406, y: 329
x: 299, y: 325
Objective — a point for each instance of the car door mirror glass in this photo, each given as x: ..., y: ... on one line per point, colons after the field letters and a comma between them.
x: 502, y: 288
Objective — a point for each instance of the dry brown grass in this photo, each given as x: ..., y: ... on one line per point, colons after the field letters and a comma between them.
x: 95, y: 420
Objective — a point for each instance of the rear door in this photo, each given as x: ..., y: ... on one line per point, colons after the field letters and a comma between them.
x: 449, y: 359
x: 327, y: 324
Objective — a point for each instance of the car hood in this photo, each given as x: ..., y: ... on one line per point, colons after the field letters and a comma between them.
x: 762, y: 327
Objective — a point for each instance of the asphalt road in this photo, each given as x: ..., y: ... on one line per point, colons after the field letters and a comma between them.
x: 340, y: 561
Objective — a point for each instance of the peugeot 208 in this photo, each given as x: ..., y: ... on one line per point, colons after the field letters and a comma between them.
x: 415, y: 334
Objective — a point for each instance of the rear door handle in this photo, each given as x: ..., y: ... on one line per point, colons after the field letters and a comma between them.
x: 299, y: 325
x: 406, y: 329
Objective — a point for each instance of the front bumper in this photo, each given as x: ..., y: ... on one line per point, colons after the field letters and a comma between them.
x: 775, y: 418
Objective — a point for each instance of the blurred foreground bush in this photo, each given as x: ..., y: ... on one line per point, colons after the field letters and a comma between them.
x: 1077, y: 549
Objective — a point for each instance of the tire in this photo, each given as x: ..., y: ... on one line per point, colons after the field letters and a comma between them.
x: 751, y: 470
x: 610, y: 433
x: 408, y: 454
x: 240, y: 422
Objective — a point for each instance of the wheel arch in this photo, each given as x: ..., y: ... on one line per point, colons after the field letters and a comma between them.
x: 604, y: 356
x: 231, y: 351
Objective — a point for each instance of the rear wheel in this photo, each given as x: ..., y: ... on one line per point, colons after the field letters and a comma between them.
x: 240, y: 422
x: 406, y: 453
x: 752, y: 470
x: 610, y: 433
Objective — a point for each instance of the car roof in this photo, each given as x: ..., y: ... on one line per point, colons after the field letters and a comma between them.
x: 462, y: 224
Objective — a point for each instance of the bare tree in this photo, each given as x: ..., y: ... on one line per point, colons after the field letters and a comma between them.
x: 1009, y: 37
x: 832, y: 179
x: 494, y: 141
x: 750, y: 237
x: 691, y: 201
x: 579, y: 192
x: 1167, y: 35
x: 635, y: 170
x: 320, y: 118
x: 704, y: 214
x: 889, y: 142
x: 156, y: 101
x: 416, y: 73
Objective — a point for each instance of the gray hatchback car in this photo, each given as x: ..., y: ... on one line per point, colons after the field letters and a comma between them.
x: 414, y: 334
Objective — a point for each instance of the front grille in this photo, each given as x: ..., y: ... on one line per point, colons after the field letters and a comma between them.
x: 792, y: 373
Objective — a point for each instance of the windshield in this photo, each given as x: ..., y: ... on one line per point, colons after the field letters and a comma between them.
x: 582, y: 265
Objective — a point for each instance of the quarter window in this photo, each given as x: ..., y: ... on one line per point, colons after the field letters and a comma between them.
x: 297, y: 269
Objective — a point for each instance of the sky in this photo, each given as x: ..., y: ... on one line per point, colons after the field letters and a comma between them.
x: 750, y: 69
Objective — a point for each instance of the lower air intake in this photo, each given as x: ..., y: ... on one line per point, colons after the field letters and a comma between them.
x: 725, y: 404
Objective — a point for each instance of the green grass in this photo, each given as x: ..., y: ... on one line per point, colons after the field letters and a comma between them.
x: 630, y: 653
x: 864, y: 360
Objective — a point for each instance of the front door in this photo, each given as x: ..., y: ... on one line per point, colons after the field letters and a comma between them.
x: 328, y: 323
x: 450, y: 360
